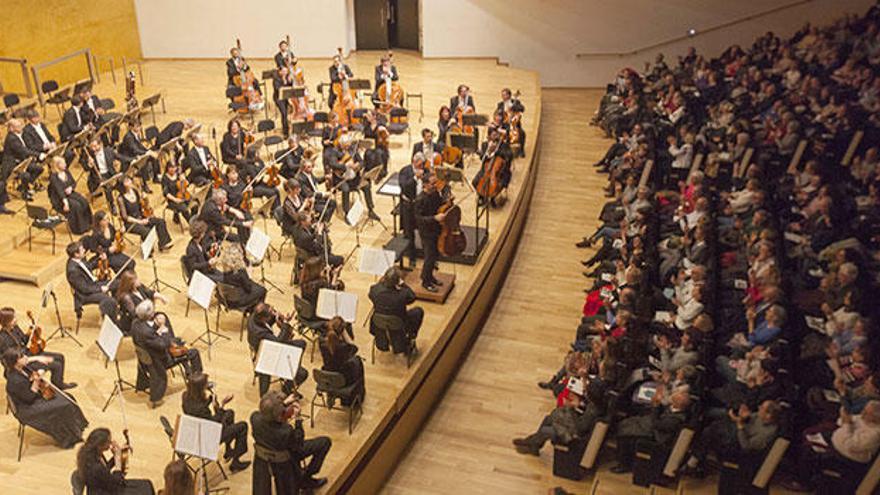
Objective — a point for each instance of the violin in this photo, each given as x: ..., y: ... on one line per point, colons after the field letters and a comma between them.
x: 183, y: 193
x: 216, y: 174
x: 273, y: 178
x: 125, y: 452
x: 177, y: 350
x: 118, y: 242
x: 46, y: 390
x: 102, y: 270
x: 146, y: 209
x: 36, y: 342
x: 382, y: 137
x: 247, y: 199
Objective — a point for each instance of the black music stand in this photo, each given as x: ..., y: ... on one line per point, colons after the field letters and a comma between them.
x: 82, y: 85
x: 474, y: 119
x: 302, y: 128
x: 135, y: 166
x: 268, y: 74
x: 62, y: 331
x: 106, y: 186
x: 466, y: 142
x: 150, y: 104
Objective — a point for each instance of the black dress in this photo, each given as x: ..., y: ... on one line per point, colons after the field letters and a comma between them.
x: 169, y: 186
x: 100, y: 479
x: 132, y: 209
x: 98, y: 243
x: 345, y: 361
x: 59, y: 418
x: 79, y: 215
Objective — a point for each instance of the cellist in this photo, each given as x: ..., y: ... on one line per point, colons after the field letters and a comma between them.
x: 496, y: 146
x: 512, y: 109
x: 338, y: 71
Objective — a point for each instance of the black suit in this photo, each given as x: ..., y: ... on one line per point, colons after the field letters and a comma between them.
x: 308, y: 184
x: 426, y: 206
x: 232, y: 71
x: 96, y: 177
x: 33, y: 140
x: 282, y: 436
x: 516, y: 106
x: 218, y: 222
x: 394, y: 302
x: 14, y: 151
x: 91, y: 115
x: 377, y: 75
x: 406, y: 178
x: 308, y: 243
x: 198, y: 172
x: 453, y: 103
x: 290, y: 163
x: 72, y: 123
x: 232, y: 146
x: 334, y: 77
x: 420, y: 148
x: 278, y: 85
x: 132, y: 148
x: 87, y: 290
x: 258, y: 332
x: 145, y: 336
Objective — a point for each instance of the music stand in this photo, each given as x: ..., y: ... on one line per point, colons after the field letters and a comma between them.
x: 62, y: 331
x: 257, y: 245
x: 150, y: 104
x: 368, y: 177
x: 200, y: 290
x: 57, y: 151
x: 108, y: 341
x: 132, y: 115
x: 199, y: 438
x: 135, y: 166
x: 293, y: 92
x: 268, y: 74
x: 302, y: 128
x: 147, y: 252
x: 253, y: 149
x: 466, y: 142
x: 359, y: 84
x: 474, y: 119
x: 108, y: 185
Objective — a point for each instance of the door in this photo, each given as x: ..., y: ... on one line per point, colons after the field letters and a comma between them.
x: 371, y: 24
x: 407, y: 25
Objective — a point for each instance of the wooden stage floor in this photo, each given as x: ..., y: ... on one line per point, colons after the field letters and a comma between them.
x: 196, y: 89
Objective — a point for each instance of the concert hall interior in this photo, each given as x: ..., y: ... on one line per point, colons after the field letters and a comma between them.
x: 439, y: 246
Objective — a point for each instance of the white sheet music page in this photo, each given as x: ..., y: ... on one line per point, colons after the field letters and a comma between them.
x: 257, y: 244
x: 337, y: 303
x: 376, y: 261
x: 200, y: 289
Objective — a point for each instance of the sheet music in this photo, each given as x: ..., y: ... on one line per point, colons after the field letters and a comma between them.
x: 337, y: 303
x: 257, y: 244
x: 200, y: 289
x: 197, y: 437
x: 278, y: 359
x: 109, y: 338
x: 47, y: 292
x: 356, y: 212
x: 149, y: 243
x: 376, y: 261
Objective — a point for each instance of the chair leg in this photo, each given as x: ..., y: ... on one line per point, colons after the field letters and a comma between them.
x: 241, y: 328
x: 20, y: 440
x: 187, y: 308
x: 312, y: 414
x: 373, y: 352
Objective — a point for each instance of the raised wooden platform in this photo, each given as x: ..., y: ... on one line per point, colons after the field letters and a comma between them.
x: 414, y: 280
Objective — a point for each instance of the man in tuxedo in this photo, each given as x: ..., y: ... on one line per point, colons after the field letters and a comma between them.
x: 219, y: 215
x: 309, y: 188
x: 14, y: 151
x: 391, y: 296
x: 196, y: 258
x: 86, y: 288
x: 101, y: 163
x: 292, y: 157
x: 36, y: 135
x: 338, y: 71
x: 428, y: 221
x: 74, y: 120
x: 198, y: 161
x: 92, y: 110
x: 462, y: 98
x: 133, y: 148
x: 235, y: 65
x: 385, y: 70
x: 427, y: 146
x: 410, y: 179
x: 284, y: 51
x: 307, y: 241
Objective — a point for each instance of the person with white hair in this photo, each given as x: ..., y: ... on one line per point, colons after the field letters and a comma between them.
x: 152, y: 333
x: 219, y: 216
x: 197, y: 163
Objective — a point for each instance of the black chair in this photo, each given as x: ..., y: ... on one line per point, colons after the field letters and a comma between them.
x: 330, y: 386
x: 12, y: 407
x: 265, y: 126
x: 107, y: 103
x: 358, y: 113
x: 41, y: 220
x: 55, y: 96
x: 227, y: 300
x: 186, y: 278
x: 308, y: 325
x: 233, y: 92
x: 11, y: 99
x: 839, y: 475
x: 750, y: 473
x: 397, y: 124
x: 278, y: 215
x: 317, y: 131
x: 391, y: 325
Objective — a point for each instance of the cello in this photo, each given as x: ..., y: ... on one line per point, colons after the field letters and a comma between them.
x: 250, y: 99
x: 345, y: 96
x: 390, y: 93
x: 452, y: 241
x: 489, y: 184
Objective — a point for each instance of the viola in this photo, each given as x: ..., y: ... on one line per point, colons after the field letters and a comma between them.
x: 183, y: 193
x: 452, y: 241
x: 146, y: 209
x: 36, y: 342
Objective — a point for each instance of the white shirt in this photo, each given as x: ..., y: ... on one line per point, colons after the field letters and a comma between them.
x: 86, y: 269
x: 39, y: 130
x: 202, y: 155
x: 101, y: 160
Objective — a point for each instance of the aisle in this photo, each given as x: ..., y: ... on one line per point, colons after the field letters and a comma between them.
x: 466, y: 445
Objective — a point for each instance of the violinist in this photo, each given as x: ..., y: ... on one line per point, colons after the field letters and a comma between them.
x: 199, y: 161
x: 293, y: 204
x: 104, y: 244
x: 133, y: 148
x: 344, y: 164
x: 108, y: 476
x: 494, y: 147
x: 427, y: 147
x: 338, y: 71
x: 137, y: 215
x: 260, y: 327
x: 290, y: 157
x: 40, y: 406
x: 411, y: 179
x: 175, y: 188
x: 152, y: 332
x: 331, y: 132
x: 340, y: 355
x: 428, y: 222
x: 309, y: 183
x: 129, y: 293
x: 284, y: 56
x: 512, y: 109
x: 235, y: 65
x: 311, y: 239
x: 12, y: 337
x: 198, y: 257
x: 101, y: 162
x: 200, y: 400
x: 444, y: 120
x: 314, y: 276
x: 65, y: 199
x: 219, y: 214
x: 271, y: 430
x: 87, y: 289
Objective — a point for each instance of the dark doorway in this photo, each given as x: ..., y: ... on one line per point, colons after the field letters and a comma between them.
x: 383, y: 24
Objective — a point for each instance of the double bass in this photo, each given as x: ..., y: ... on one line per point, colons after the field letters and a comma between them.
x: 346, y: 99
x: 250, y: 100
x: 452, y: 241
x: 389, y: 92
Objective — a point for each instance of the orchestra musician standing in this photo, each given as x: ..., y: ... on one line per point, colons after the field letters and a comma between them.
x: 428, y: 218
x: 65, y: 200
x: 282, y: 79
x: 55, y: 414
x: 284, y: 55
x: 411, y: 179
x: 510, y: 106
x: 338, y: 71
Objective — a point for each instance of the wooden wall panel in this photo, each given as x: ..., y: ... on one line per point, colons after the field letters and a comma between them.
x: 46, y: 29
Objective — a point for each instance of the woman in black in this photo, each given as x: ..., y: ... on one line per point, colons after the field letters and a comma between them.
x: 443, y: 124
x: 312, y: 280
x: 59, y: 417
x: 103, y: 476
x: 179, y: 479
x: 65, y: 199
x: 378, y: 156
x: 129, y: 293
x: 340, y: 355
x: 198, y: 400
x: 131, y: 210
x: 12, y: 337
x: 102, y: 242
x: 293, y: 204
x: 171, y: 182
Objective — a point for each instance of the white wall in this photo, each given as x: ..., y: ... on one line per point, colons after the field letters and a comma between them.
x: 545, y: 35
x: 208, y: 28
